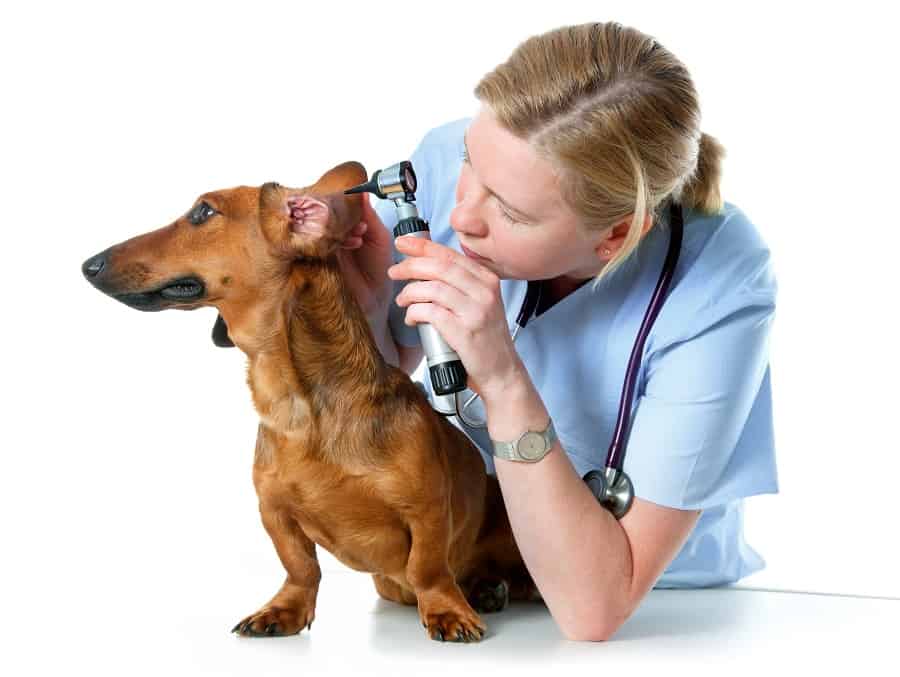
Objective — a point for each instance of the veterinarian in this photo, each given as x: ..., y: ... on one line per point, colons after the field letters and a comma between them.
x: 583, y: 138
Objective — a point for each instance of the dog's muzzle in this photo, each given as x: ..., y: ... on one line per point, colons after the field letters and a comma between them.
x: 182, y: 289
x: 179, y: 290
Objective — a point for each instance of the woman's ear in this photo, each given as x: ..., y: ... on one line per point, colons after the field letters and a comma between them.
x: 609, y: 246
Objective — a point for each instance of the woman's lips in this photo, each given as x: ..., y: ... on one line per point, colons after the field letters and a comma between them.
x: 472, y: 255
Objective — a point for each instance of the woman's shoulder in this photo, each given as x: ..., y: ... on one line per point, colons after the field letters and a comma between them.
x: 447, y: 134
x: 441, y: 147
x: 725, y: 254
x: 725, y: 266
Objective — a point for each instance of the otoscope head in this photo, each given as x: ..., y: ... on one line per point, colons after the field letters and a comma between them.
x: 396, y: 182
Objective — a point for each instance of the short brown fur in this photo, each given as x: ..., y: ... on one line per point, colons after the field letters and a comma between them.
x: 349, y: 454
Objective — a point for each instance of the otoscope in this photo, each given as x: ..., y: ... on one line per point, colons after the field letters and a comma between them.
x: 398, y: 183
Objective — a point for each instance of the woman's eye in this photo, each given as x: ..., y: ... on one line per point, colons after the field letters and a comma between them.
x: 200, y: 213
x: 464, y: 155
x: 509, y: 218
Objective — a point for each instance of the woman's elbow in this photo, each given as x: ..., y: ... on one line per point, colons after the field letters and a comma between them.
x: 593, y: 630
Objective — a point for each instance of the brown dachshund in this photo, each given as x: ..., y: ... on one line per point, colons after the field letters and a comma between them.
x: 349, y: 453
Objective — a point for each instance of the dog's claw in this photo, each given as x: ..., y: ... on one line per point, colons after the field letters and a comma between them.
x: 272, y: 628
x: 236, y: 627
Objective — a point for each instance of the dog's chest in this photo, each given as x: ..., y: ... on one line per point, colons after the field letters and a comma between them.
x: 276, y: 395
x: 343, y: 514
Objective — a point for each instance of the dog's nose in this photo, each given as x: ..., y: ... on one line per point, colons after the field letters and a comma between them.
x: 93, y: 265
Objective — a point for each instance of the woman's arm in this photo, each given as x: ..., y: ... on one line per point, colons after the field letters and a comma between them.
x: 406, y: 358
x: 591, y: 569
x: 381, y: 332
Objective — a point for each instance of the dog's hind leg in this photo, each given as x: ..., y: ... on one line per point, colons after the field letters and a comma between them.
x: 294, y: 606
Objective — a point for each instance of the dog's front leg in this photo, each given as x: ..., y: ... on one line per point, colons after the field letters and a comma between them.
x: 294, y: 606
x: 443, y: 608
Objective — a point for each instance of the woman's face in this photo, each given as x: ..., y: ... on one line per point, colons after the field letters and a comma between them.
x: 509, y: 210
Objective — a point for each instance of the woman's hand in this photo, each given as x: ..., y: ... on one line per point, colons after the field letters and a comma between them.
x: 364, y: 257
x: 461, y: 299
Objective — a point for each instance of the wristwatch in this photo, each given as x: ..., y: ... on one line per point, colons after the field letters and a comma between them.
x: 531, y: 446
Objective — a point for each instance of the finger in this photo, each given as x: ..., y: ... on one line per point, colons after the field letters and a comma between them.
x: 435, y: 291
x: 444, y: 321
x: 418, y: 246
x: 376, y: 231
x: 428, y: 268
x: 354, y: 237
x: 369, y: 215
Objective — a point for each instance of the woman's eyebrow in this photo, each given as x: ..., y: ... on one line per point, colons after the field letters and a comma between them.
x: 519, y: 212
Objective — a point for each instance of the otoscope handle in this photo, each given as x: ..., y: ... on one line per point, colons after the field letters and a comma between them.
x: 448, y: 375
x: 398, y: 183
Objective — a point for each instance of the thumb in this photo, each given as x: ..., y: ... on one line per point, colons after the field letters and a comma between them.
x: 376, y: 232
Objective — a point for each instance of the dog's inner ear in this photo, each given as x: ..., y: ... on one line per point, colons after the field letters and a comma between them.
x: 310, y: 217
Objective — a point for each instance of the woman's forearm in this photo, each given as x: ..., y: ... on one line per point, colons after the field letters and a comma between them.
x: 381, y: 332
x: 577, y: 553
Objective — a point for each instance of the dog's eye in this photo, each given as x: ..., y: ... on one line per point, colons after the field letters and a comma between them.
x: 200, y: 213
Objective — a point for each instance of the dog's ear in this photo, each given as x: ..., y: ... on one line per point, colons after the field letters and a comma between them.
x: 312, y: 222
x: 220, y: 334
x: 340, y: 178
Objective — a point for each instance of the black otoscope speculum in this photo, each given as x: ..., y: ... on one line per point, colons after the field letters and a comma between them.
x: 398, y: 183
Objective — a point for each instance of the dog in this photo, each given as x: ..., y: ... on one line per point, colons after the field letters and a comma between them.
x: 349, y: 454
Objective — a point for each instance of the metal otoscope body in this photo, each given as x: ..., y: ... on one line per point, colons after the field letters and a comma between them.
x: 398, y: 183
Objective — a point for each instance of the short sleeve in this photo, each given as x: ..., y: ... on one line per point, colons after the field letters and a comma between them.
x: 692, y: 442
x: 402, y: 333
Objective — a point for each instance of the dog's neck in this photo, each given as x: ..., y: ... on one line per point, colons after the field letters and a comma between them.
x: 311, y: 354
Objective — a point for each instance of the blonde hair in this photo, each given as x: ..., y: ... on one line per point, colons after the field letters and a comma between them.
x: 618, y: 116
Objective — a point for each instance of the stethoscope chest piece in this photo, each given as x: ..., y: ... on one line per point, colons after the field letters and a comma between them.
x: 613, y: 489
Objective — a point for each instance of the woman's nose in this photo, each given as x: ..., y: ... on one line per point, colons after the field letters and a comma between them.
x: 466, y: 216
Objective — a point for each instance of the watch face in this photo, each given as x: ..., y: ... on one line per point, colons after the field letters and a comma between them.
x: 531, y: 446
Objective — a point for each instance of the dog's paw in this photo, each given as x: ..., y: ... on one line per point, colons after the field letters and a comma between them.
x: 274, y: 622
x: 451, y: 626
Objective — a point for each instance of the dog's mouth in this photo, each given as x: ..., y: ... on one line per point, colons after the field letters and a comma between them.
x: 187, y: 288
x: 177, y: 291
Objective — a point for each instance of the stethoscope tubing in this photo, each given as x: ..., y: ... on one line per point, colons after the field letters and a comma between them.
x: 615, y: 457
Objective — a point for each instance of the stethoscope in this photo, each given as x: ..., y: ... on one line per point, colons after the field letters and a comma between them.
x: 612, y: 486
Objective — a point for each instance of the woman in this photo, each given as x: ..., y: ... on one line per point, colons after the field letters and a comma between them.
x: 584, y: 138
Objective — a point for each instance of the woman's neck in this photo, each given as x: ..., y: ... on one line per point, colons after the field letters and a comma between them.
x: 557, y: 289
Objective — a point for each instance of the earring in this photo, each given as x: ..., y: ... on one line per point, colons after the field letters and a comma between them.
x: 606, y: 252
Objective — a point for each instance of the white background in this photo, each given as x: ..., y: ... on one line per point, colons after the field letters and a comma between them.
x: 127, y: 438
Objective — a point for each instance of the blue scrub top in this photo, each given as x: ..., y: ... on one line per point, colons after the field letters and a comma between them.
x: 701, y: 429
